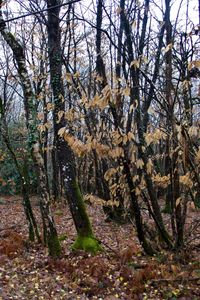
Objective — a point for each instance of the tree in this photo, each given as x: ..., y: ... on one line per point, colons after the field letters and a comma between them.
x: 22, y: 172
x: 85, y: 239
x: 122, y: 80
x: 50, y: 233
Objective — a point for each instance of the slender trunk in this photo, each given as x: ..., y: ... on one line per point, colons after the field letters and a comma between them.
x: 56, y: 184
x: 123, y: 161
x: 142, y: 116
x: 32, y: 225
x: 30, y: 112
x: 177, y: 201
x: 168, y: 88
x: 137, y: 212
x: 33, y: 228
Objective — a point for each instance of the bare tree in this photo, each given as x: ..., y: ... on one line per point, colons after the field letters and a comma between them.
x: 50, y: 232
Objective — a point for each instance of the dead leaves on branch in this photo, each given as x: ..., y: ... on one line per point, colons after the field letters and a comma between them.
x: 95, y: 200
x: 82, y: 149
x: 155, y: 136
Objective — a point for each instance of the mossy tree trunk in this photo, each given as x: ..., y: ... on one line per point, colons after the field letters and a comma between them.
x: 85, y: 239
x: 49, y: 228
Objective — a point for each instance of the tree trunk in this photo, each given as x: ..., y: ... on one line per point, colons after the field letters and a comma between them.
x: 142, y: 115
x: 122, y: 161
x: 85, y: 239
x: 30, y: 112
x: 32, y: 225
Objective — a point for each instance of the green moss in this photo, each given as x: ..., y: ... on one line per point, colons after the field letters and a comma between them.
x: 54, y: 246
x: 85, y: 240
x: 2, y: 202
x: 167, y: 210
x: 197, y: 202
x: 88, y: 244
x: 31, y: 233
x: 86, y: 228
x: 62, y: 237
x: 58, y: 212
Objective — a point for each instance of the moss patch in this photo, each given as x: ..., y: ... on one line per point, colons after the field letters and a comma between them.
x: 54, y: 246
x: 84, y: 228
x: 167, y: 210
x: 197, y: 202
x: 58, y: 212
x: 88, y: 244
x: 62, y: 237
x: 31, y: 233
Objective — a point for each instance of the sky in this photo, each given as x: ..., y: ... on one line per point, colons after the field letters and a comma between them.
x: 193, y: 9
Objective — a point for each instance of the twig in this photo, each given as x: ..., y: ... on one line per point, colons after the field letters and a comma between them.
x: 106, y: 245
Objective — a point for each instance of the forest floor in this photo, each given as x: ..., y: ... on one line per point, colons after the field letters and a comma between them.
x: 122, y: 271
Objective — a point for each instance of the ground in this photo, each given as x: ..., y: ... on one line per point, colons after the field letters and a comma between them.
x: 122, y: 271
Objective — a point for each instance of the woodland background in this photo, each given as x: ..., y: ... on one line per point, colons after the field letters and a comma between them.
x: 99, y: 128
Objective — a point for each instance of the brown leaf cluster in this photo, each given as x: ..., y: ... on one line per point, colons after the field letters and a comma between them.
x: 11, y: 243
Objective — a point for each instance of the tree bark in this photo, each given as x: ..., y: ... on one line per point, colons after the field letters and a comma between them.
x: 123, y: 160
x: 50, y: 232
x: 85, y: 239
x: 32, y: 224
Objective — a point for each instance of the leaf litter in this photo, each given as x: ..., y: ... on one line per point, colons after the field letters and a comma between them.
x: 122, y: 271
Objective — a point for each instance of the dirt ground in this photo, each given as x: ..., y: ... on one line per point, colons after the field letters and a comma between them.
x: 121, y: 271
